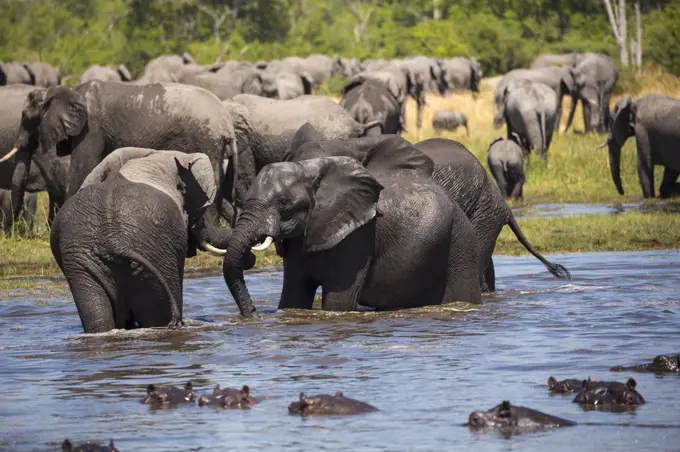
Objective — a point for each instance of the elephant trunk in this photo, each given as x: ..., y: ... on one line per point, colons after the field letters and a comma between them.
x: 248, y: 232
x: 22, y: 169
x: 572, y: 111
x: 615, y: 164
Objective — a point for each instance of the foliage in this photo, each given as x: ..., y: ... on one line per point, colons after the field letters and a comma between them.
x: 502, y: 34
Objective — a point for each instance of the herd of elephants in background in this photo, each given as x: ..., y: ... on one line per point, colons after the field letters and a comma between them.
x: 234, y: 157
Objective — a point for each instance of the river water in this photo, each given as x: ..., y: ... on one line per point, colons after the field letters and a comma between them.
x: 425, y: 369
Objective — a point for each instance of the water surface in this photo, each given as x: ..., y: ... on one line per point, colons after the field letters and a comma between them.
x: 426, y: 369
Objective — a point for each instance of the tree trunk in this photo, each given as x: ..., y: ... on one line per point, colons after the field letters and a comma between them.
x: 617, y: 20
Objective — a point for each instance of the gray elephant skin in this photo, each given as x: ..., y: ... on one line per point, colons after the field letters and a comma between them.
x: 551, y: 59
x: 384, y: 236
x: 13, y: 73
x: 7, y: 212
x: 462, y: 74
x: 265, y: 129
x: 165, y: 68
x: 449, y: 120
x: 506, y: 162
x: 48, y: 173
x: 371, y: 100
x: 530, y: 111
x: 106, y: 74
x: 468, y: 184
x: 122, y: 239
x: 90, y: 121
x: 595, y: 76
x: 45, y: 74
x: 654, y: 119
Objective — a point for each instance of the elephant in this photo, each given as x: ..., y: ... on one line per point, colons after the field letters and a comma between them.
x: 7, y: 212
x: 530, y: 111
x: 462, y: 74
x: 371, y: 101
x: 16, y: 73
x: 506, y: 162
x: 468, y: 184
x: 265, y: 129
x: 45, y: 75
x: 559, y: 79
x: 121, y: 240
x: 165, y: 68
x: 382, y: 234
x: 430, y: 71
x: 90, y: 121
x: 449, y: 120
x: 247, y: 79
x: 106, y: 74
x: 595, y: 76
x: 396, y: 84
x: 549, y: 59
x: 49, y: 173
x: 290, y: 85
x: 654, y: 120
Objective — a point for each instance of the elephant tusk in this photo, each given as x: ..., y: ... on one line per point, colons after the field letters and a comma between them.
x: 267, y: 243
x: 602, y: 145
x: 9, y: 155
x: 213, y: 250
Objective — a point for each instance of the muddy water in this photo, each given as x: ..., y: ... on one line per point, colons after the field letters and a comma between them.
x: 571, y: 210
x: 425, y: 369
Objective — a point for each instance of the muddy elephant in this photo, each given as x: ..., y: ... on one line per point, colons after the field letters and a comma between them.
x: 468, y: 184
x: 371, y: 100
x: 90, y: 121
x: 595, y: 76
x: 530, y: 111
x: 506, y: 163
x: 247, y: 79
x: 354, y: 231
x: 106, y: 74
x: 121, y: 240
x: 265, y: 129
x: 654, y: 119
x: 165, y: 68
x: 49, y: 172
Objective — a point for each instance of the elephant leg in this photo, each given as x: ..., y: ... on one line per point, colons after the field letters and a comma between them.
x: 463, y: 282
x: 298, y: 286
x: 645, y: 165
x: 498, y: 174
x: 53, y: 206
x: 516, y: 192
x: 669, y: 186
x: 489, y: 277
x: 95, y: 308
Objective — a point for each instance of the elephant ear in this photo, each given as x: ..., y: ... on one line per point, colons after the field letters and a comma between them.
x: 305, y: 134
x: 113, y: 163
x: 64, y: 115
x: 307, y: 83
x: 624, y: 117
x: 351, y: 85
x: 31, y: 74
x: 124, y: 73
x: 396, y: 154
x: 345, y: 198
x: 195, y: 171
x: 567, y: 83
x: 187, y: 58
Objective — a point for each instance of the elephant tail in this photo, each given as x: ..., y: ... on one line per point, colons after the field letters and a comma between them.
x: 556, y: 269
x: 174, y: 303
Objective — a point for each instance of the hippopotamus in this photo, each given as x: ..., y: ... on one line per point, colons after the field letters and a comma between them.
x: 67, y: 446
x: 609, y: 397
x: 573, y: 385
x: 228, y: 398
x: 167, y: 396
x: 514, y: 419
x: 660, y: 365
x: 329, y: 405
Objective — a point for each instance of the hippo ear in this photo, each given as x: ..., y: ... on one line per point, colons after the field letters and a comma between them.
x: 631, y: 384
x: 585, y: 384
x: 189, y: 386
x: 150, y: 389
x: 66, y: 446
x: 216, y: 389
x: 245, y: 390
x: 303, y: 399
x: 112, y: 446
x: 505, y: 409
x: 552, y: 382
x: 339, y: 394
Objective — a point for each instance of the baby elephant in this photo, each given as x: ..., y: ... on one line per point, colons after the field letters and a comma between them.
x: 329, y: 405
x: 506, y: 162
x: 449, y: 120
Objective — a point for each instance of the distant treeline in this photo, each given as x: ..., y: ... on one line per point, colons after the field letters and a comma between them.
x: 501, y: 34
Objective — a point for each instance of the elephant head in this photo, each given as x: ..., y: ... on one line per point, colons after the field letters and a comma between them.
x: 590, y: 94
x: 622, y: 128
x: 320, y: 201
x: 186, y: 178
x: 260, y: 83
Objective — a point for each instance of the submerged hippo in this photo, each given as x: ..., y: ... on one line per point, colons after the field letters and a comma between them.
x: 609, y: 397
x: 167, y: 396
x: 228, y: 398
x: 660, y: 365
x: 573, y: 385
x: 67, y: 446
x: 515, y: 419
x: 329, y: 405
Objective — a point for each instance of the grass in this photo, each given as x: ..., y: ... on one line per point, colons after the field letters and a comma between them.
x: 575, y: 173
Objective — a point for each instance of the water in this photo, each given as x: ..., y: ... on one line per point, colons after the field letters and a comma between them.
x: 426, y: 369
x: 571, y: 210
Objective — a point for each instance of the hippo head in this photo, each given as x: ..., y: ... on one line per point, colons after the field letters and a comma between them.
x: 562, y: 387
x: 161, y: 395
x: 500, y: 416
x: 666, y: 363
x: 229, y: 398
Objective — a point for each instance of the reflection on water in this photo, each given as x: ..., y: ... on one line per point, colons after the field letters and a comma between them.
x: 570, y: 210
x: 426, y: 369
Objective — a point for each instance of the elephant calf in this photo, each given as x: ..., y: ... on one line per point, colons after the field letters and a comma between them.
x: 449, y: 120
x: 6, y: 211
x: 122, y: 238
x: 506, y: 162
